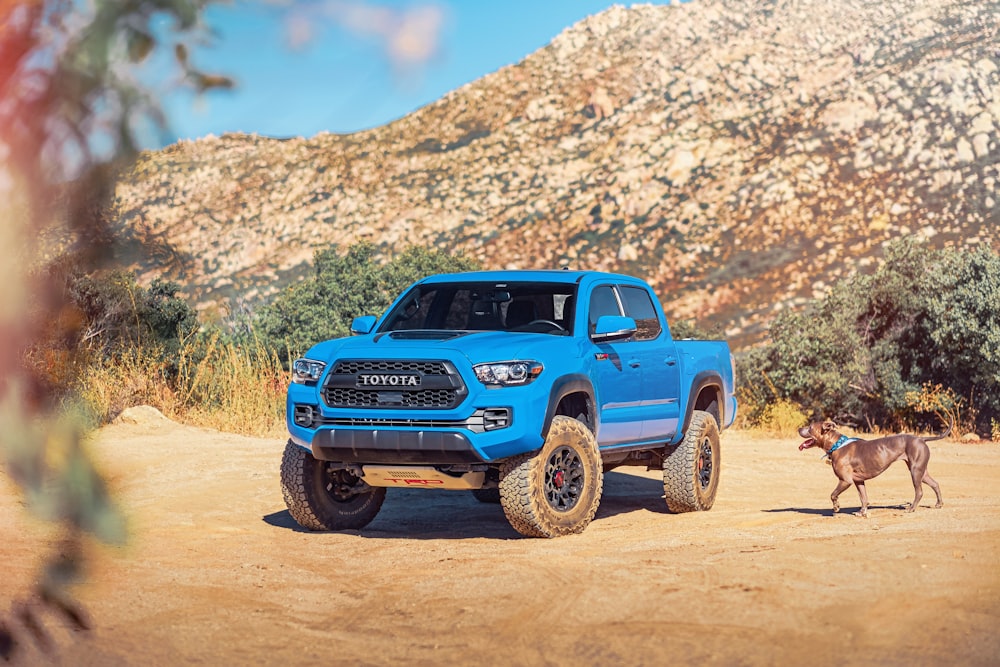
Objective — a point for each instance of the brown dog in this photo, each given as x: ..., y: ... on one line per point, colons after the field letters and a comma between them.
x: 855, y: 461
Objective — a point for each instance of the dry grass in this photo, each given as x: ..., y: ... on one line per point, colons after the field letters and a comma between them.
x: 238, y: 389
x: 219, y: 385
x: 781, y: 419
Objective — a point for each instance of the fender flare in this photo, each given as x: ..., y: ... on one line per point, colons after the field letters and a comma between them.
x: 564, y: 386
x: 700, y: 382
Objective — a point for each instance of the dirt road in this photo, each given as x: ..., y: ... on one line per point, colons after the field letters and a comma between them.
x: 217, y: 572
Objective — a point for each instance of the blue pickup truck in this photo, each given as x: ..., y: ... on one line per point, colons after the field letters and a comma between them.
x: 522, y: 387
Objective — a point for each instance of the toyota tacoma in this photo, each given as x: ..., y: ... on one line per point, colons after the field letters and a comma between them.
x: 522, y: 387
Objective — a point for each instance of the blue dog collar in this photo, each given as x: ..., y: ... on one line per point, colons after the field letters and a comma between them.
x: 841, y: 441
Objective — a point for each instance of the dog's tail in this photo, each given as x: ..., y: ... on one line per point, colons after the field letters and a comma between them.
x: 951, y: 425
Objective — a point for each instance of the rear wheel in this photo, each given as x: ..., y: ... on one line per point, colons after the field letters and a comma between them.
x: 557, y: 490
x: 691, y: 469
x: 320, y: 497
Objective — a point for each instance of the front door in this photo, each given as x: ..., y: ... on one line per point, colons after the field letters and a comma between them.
x: 660, y: 366
x: 618, y: 374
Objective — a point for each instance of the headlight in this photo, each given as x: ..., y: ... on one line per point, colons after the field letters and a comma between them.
x: 507, y: 373
x: 307, y: 370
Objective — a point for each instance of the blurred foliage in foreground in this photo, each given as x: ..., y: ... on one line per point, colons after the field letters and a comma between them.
x: 908, y: 347
x: 70, y: 114
x: 73, y: 110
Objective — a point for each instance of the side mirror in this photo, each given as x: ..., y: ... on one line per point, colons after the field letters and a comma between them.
x: 610, y: 328
x: 363, y: 325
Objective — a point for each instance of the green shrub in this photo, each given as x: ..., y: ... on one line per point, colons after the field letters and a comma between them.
x: 119, y: 313
x: 965, y: 330
x: 345, y: 286
x: 863, y: 352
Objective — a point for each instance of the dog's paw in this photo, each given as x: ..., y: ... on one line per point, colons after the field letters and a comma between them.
x: 863, y: 514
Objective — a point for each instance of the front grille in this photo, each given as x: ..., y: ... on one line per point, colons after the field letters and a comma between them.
x: 422, y: 367
x: 367, y: 398
x: 438, y: 384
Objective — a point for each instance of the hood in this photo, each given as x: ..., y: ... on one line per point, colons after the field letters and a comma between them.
x: 477, y: 347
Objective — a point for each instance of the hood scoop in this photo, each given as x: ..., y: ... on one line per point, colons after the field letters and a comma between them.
x: 421, y: 334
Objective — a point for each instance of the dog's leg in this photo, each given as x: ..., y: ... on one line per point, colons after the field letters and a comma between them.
x: 864, y: 498
x: 917, y: 473
x: 841, y: 486
x: 929, y: 481
x: 918, y: 454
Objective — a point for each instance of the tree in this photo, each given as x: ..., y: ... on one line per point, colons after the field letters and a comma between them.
x: 924, y: 318
x: 345, y: 286
x: 964, y: 321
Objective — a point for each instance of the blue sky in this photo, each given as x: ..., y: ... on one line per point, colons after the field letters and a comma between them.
x: 342, y: 81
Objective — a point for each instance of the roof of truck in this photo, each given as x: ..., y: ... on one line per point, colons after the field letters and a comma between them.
x: 523, y: 275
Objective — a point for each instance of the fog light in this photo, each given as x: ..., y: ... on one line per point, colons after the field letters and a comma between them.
x: 303, y: 415
x: 494, y: 418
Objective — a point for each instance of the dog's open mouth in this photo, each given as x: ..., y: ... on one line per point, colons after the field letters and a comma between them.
x: 807, y: 443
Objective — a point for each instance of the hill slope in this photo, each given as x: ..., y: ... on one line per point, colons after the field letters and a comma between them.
x: 739, y: 155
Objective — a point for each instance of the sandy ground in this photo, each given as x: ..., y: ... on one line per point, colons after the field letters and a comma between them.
x: 217, y: 573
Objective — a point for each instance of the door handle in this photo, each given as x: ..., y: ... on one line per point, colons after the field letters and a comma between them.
x: 634, y: 363
x: 671, y: 361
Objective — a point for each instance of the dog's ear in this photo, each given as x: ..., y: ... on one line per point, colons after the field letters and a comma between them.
x: 829, y: 426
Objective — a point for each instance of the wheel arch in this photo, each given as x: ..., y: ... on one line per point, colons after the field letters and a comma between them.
x: 572, y: 393
x: 706, y: 394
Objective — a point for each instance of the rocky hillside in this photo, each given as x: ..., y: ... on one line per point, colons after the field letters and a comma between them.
x: 741, y: 155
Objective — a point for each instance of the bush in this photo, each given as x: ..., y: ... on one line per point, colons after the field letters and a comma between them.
x: 345, y: 286
x: 965, y: 329
x: 107, y: 320
x: 238, y: 388
x: 782, y: 418
x: 762, y: 407
x: 862, y: 354
x: 117, y: 313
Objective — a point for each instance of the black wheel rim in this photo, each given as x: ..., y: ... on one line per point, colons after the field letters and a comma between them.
x: 705, y: 464
x: 564, y: 479
x: 340, y: 485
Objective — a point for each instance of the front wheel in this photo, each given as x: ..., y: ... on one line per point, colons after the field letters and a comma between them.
x: 555, y: 491
x: 691, y: 469
x: 320, y: 497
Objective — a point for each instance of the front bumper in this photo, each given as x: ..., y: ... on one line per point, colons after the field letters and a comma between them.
x: 394, y: 446
x: 422, y: 437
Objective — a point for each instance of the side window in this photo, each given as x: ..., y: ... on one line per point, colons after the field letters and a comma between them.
x: 602, y: 302
x: 640, y: 308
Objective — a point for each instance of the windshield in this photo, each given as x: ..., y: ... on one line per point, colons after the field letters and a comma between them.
x: 521, y: 307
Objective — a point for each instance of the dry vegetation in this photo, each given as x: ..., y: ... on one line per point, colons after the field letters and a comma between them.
x: 220, y: 385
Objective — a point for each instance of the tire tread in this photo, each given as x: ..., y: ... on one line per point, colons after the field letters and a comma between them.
x: 679, y: 483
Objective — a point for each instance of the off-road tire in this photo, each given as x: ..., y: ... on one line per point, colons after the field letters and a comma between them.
x: 691, y: 468
x: 555, y: 491
x: 491, y: 495
x: 316, y: 496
